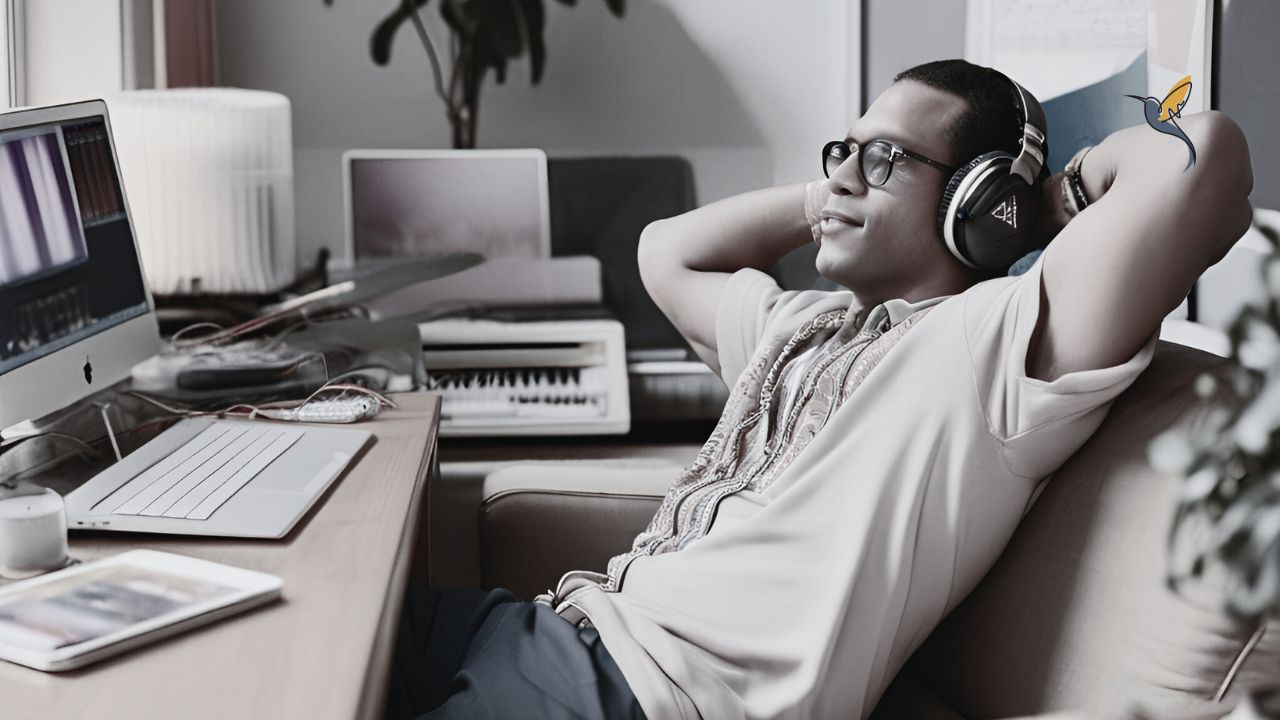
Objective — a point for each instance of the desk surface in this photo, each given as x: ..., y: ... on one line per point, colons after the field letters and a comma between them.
x: 324, y: 651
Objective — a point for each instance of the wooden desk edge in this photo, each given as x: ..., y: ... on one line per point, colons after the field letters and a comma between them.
x: 378, y: 668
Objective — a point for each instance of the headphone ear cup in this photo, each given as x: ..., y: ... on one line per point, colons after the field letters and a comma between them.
x: 954, y: 210
x: 948, y: 193
x: 1002, y: 217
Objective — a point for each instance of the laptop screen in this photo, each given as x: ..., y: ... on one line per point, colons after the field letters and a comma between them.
x: 414, y: 203
x: 68, y: 264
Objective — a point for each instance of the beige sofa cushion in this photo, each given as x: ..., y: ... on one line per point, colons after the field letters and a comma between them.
x: 1076, y: 614
x: 538, y: 521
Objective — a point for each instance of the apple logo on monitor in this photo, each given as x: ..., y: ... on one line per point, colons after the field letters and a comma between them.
x: 88, y: 370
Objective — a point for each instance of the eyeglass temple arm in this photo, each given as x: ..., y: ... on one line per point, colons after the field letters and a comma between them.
x: 927, y: 161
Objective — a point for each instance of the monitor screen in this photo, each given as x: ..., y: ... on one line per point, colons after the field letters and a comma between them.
x: 69, y: 267
x: 405, y: 203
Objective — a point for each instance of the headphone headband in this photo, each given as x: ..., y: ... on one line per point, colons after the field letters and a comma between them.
x: 989, y: 207
x: 1031, y: 157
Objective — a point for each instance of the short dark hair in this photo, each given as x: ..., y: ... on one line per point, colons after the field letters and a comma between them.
x: 994, y: 118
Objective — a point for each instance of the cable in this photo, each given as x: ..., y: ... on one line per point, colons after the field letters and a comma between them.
x: 102, y: 408
x: 11, y: 442
x: 253, y: 409
x: 177, y: 335
x: 250, y: 410
x: 83, y: 448
x: 307, y: 314
x: 225, y: 334
x: 385, y: 372
x: 147, y: 398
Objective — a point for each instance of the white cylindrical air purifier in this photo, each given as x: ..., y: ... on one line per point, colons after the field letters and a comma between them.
x: 208, y: 174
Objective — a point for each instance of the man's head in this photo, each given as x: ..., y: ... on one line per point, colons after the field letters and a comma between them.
x: 882, y: 241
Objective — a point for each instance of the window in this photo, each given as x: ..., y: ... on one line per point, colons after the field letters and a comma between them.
x: 6, y: 83
x: 10, y: 54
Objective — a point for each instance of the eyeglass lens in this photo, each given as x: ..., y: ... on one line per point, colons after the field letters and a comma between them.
x: 875, y: 160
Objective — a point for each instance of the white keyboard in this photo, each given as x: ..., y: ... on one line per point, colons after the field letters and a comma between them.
x: 527, y: 378
x: 539, y: 392
x: 198, y: 477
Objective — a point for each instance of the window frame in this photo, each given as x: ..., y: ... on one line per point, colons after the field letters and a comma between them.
x: 12, y: 77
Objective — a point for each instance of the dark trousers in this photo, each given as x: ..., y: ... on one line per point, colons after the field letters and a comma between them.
x: 467, y: 653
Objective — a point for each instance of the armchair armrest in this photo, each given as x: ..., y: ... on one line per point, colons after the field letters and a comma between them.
x: 538, y: 521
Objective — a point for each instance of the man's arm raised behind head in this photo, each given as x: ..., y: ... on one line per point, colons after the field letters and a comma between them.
x: 1129, y: 258
x: 685, y: 261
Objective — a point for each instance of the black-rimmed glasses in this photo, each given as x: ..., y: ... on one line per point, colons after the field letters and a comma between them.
x: 877, y: 159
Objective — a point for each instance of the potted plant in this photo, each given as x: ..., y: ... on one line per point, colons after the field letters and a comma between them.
x: 484, y: 35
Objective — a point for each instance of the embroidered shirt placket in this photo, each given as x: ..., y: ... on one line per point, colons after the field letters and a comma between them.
x: 725, y: 478
x: 692, y: 507
x: 712, y: 493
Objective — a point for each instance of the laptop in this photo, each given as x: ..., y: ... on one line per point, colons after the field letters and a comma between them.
x: 230, y: 478
x: 413, y: 203
x: 76, y: 315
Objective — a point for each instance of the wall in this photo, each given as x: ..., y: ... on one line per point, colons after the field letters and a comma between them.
x: 73, y: 50
x: 748, y: 91
x: 897, y: 39
x: 1248, y: 86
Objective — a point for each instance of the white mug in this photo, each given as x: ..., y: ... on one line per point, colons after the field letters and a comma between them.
x: 33, y: 534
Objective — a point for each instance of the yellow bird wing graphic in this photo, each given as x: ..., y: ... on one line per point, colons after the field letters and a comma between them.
x: 1176, y: 99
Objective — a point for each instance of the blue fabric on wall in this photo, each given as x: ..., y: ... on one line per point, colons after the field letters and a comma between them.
x: 1086, y: 116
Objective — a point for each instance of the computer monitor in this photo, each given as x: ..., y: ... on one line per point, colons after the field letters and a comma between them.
x: 75, y: 311
x: 406, y: 203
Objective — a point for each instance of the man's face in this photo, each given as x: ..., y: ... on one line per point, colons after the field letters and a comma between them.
x: 880, y: 240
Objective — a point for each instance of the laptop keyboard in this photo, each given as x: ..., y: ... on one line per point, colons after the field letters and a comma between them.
x: 198, y: 477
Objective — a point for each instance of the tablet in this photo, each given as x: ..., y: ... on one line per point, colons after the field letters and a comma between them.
x: 77, y: 616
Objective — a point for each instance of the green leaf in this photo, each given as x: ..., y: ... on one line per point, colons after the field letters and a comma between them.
x: 617, y: 7
x: 1272, y: 234
x: 521, y: 24
x: 535, y: 22
x: 485, y: 55
x: 498, y: 21
x: 460, y: 16
x: 385, y: 32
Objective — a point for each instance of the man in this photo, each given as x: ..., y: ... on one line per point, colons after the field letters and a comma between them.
x: 881, y: 443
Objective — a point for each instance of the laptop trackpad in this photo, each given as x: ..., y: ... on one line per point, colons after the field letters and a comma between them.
x: 285, y: 476
x: 299, y: 475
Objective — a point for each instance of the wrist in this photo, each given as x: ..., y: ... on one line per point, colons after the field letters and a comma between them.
x: 1056, y: 209
x: 1097, y: 170
x: 815, y: 196
x: 1075, y: 196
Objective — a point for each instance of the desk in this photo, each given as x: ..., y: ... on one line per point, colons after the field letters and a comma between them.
x: 324, y: 651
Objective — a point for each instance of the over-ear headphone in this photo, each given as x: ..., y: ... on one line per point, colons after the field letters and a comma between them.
x: 991, y: 203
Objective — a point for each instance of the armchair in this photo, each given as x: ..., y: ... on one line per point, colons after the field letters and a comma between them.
x: 1074, y: 616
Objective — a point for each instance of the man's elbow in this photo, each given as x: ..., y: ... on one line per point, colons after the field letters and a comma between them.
x: 1227, y: 149
x: 648, y: 250
x: 1226, y: 153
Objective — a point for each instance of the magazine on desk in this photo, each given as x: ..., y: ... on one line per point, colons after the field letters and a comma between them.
x: 77, y: 616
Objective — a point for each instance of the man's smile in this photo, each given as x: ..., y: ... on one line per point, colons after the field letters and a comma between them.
x: 834, y: 221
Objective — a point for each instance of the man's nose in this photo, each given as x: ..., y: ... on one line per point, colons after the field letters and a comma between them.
x: 847, y: 179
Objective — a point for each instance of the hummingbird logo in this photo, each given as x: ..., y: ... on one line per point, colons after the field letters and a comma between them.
x: 1161, y: 114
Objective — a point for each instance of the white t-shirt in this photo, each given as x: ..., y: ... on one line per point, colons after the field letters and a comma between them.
x: 804, y: 600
